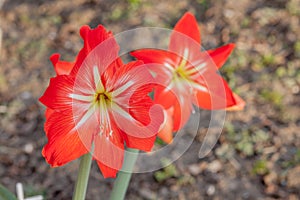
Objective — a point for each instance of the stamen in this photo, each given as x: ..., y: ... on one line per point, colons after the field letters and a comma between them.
x: 105, y: 125
x: 102, y: 129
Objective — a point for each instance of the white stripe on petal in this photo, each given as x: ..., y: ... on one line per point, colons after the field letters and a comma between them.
x: 198, y: 86
x: 81, y: 97
x: 168, y: 66
x: 185, y: 53
x: 200, y: 68
x: 170, y: 86
x: 116, y: 108
x: 121, y: 89
x: 184, y: 59
x: 97, y: 79
x: 86, y: 116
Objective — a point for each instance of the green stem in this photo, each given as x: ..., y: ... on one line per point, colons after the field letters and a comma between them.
x: 124, y: 175
x: 83, y: 176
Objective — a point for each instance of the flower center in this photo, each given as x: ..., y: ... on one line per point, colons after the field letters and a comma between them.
x: 102, y: 96
x: 102, y: 102
x: 185, y: 75
x: 181, y: 73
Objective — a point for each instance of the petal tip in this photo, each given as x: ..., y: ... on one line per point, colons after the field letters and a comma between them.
x: 239, y: 105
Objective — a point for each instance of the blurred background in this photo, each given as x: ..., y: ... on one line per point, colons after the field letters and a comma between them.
x: 258, y: 153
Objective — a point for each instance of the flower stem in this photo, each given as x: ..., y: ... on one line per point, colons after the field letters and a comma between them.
x: 83, y: 176
x: 124, y: 175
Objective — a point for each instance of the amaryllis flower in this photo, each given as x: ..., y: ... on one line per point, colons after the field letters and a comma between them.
x: 186, y: 76
x: 99, y: 101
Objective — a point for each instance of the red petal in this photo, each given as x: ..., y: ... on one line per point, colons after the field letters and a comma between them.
x: 107, y: 172
x: 112, y: 69
x: 57, y: 95
x: 166, y: 133
x: 109, y: 153
x: 220, y: 55
x: 138, y: 135
x: 144, y: 144
x: 185, y: 38
x: 48, y: 112
x: 164, y: 96
x: 239, y: 104
x: 64, y: 144
x: 61, y: 67
x: 182, y: 113
x: 163, y: 75
x: 92, y: 38
x: 217, y: 96
x: 140, y: 106
x: 161, y: 63
x: 155, y: 56
x: 131, y: 85
x: 132, y: 111
x: 187, y: 25
x: 134, y: 72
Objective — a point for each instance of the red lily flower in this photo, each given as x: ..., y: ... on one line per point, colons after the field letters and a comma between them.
x: 188, y: 76
x: 98, y: 100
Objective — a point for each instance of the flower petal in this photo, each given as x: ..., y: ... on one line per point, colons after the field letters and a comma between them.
x: 220, y: 55
x: 164, y: 96
x: 166, y: 132
x: 57, y: 95
x: 61, y: 67
x: 185, y: 38
x: 109, y: 153
x: 156, y: 56
x: 137, y: 134
x: 107, y: 172
x: 64, y: 143
x: 48, y: 114
x: 182, y: 113
x: 217, y: 96
x: 129, y: 78
x: 143, y: 144
x: 92, y: 38
x: 140, y: 106
x: 187, y: 25
x: 239, y: 105
x: 132, y: 84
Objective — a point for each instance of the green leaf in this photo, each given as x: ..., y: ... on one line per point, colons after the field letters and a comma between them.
x: 6, y: 194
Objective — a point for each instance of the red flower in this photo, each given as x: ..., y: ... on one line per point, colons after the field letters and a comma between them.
x: 98, y: 99
x: 188, y: 76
